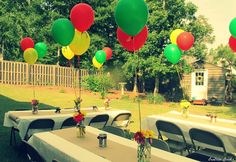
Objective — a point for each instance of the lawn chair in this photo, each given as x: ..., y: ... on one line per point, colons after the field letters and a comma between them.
x: 32, y: 152
x: 160, y: 144
x: 69, y: 122
x: 176, y: 139
x: 39, y: 125
x: 99, y: 121
x: 115, y: 130
x: 121, y: 120
x: 210, y: 139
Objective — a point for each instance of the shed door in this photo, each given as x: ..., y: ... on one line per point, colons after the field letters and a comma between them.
x: 199, y: 85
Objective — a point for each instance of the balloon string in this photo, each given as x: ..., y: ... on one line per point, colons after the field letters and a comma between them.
x: 176, y: 67
x: 79, y: 77
x: 31, y: 69
x: 137, y: 92
x: 74, y: 86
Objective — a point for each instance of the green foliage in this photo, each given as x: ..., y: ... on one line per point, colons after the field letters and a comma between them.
x: 157, y: 99
x: 91, y: 83
x: 164, y: 17
x: 224, y: 55
x: 61, y: 91
x: 233, y: 82
x: 98, y: 83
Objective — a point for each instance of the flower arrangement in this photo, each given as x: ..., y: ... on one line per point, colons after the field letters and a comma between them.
x: 142, y: 137
x: 34, y: 102
x: 184, y: 104
x: 212, y: 117
x: 77, y: 102
x: 144, y: 140
x: 35, y: 107
x: 79, y: 119
x: 107, y: 103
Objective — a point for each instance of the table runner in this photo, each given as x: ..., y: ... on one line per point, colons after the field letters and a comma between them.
x: 118, y: 149
x: 225, y: 129
x: 203, y: 120
x: 22, y: 119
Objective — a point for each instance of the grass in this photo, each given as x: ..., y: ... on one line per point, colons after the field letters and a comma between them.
x: 13, y: 97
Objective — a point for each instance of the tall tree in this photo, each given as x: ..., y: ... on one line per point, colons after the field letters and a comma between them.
x: 164, y: 17
x: 227, y: 58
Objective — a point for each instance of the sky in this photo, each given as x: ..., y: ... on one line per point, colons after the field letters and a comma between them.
x: 219, y: 14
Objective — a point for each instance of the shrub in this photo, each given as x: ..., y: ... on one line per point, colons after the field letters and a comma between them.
x: 98, y: 83
x: 158, y: 99
x: 61, y: 91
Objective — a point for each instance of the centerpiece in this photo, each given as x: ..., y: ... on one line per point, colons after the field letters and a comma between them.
x: 35, y: 107
x: 79, y: 119
x: 144, y: 140
x: 184, y: 104
x: 107, y: 103
x: 212, y: 117
x: 77, y: 102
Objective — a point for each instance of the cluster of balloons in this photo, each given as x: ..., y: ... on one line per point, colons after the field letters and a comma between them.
x: 72, y: 34
x: 32, y: 51
x: 101, y: 56
x: 180, y: 40
x: 131, y: 16
x: 232, y: 39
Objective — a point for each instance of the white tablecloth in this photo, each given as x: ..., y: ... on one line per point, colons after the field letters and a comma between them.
x: 51, y: 146
x: 22, y: 122
x: 227, y: 134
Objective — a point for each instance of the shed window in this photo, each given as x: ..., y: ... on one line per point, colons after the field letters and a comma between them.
x: 199, y: 78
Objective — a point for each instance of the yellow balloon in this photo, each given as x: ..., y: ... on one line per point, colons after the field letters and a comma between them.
x: 30, y: 56
x: 174, y: 35
x: 67, y: 53
x: 96, y: 64
x: 80, y: 42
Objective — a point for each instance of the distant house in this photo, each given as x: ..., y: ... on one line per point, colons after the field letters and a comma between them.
x: 207, y: 81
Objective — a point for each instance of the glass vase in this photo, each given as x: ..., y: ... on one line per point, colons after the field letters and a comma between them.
x: 80, y: 131
x: 185, y: 112
x: 144, y: 152
x: 34, y: 109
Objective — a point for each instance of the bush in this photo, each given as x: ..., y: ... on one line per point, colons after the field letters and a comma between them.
x: 158, y: 99
x: 97, y: 83
x: 61, y: 91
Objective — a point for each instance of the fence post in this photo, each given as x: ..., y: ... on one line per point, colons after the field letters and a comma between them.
x: 27, y: 74
x: 54, y: 75
x: 1, y: 72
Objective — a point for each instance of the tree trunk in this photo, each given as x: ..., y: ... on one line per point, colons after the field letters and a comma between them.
x: 135, y: 90
x: 58, y: 56
x: 156, y: 88
x: 143, y: 83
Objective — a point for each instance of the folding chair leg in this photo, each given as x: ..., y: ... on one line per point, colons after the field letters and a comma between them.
x: 11, y: 136
x: 14, y: 135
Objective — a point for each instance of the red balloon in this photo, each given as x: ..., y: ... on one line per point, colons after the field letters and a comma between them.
x: 82, y: 16
x: 185, y: 41
x: 232, y: 43
x: 132, y: 43
x: 26, y: 42
x: 108, y: 52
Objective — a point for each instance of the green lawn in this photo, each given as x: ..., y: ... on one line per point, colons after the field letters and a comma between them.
x: 13, y: 97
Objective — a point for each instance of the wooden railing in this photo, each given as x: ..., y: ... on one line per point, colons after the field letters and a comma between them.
x: 19, y: 73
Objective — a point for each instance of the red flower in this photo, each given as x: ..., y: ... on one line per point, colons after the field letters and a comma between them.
x: 79, y: 117
x: 139, y: 138
x: 34, y: 102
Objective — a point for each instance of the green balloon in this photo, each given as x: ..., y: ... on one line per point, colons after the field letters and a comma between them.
x: 232, y: 27
x: 131, y: 16
x: 100, y: 56
x: 172, y: 53
x: 41, y: 48
x: 63, y: 31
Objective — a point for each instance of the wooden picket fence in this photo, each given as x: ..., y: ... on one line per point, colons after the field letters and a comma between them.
x: 19, y: 73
